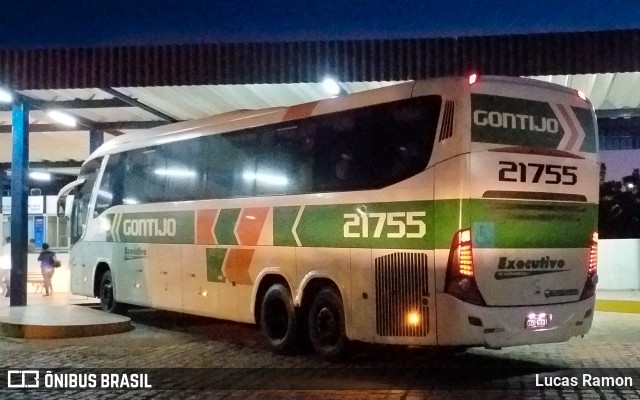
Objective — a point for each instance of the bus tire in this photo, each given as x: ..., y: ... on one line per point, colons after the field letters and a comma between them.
x: 108, y: 301
x: 327, y: 327
x: 278, y: 319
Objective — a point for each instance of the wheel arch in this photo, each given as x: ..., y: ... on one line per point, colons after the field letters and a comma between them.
x: 311, y: 286
x: 100, y: 269
x: 267, y: 278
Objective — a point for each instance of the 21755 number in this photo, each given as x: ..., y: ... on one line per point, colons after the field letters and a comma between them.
x: 535, y: 172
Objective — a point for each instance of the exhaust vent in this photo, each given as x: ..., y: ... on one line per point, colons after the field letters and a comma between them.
x: 402, y: 293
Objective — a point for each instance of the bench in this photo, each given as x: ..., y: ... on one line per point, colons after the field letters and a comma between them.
x: 36, y: 280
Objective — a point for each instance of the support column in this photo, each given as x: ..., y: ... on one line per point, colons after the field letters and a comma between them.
x: 96, y: 138
x: 19, y: 199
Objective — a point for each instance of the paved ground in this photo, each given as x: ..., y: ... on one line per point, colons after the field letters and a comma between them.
x: 167, y: 340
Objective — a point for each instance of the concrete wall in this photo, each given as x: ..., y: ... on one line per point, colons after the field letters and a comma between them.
x: 619, y: 264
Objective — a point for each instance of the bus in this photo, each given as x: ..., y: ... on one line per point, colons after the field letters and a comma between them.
x: 458, y: 211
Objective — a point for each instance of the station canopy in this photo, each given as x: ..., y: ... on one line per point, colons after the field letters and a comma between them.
x: 141, y: 97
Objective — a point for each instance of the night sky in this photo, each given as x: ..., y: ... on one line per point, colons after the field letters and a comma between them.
x: 66, y: 23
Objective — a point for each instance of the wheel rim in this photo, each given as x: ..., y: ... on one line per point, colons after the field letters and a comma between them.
x: 327, y: 327
x: 106, y: 295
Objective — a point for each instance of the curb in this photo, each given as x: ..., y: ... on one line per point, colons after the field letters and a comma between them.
x: 620, y: 306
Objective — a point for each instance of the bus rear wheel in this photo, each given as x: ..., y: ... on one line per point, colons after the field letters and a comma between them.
x: 278, y: 319
x: 327, y: 326
x: 108, y: 301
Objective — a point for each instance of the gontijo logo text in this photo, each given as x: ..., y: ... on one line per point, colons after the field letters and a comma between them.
x: 149, y: 227
x: 152, y: 227
x: 523, y: 122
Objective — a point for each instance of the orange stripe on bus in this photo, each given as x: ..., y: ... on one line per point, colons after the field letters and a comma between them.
x: 299, y: 111
x: 236, y: 268
x: 204, y: 226
x: 250, y: 225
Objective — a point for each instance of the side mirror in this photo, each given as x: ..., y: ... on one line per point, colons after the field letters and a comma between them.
x: 64, y: 200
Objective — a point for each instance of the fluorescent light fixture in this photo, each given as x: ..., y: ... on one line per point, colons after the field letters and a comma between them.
x: 62, y: 118
x: 109, y: 196
x: 40, y: 176
x: 175, y: 172
x: 331, y: 86
x: 277, y: 180
x: 5, y: 96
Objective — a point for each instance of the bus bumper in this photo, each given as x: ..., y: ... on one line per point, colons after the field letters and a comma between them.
x: 461, y: 323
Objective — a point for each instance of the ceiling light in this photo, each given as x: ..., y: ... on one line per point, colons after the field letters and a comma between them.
x: 175, y: 172
x: 277, y: 180
x: 40, y: 176
x: 64, y: 119
x: 331, y: 86
x: 5, y: 96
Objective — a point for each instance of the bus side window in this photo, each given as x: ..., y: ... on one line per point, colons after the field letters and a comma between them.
x: 111, y: 187
x: 342, y: 152
x: 277, y: 170
x: 177, y: 165
x: 304, y: 158
x: 82, y: 198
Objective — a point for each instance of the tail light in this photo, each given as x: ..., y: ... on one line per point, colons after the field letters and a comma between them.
x: 592, y: 269
x: 472, y: 78
x: 460, y: 281
x: 593, y: 254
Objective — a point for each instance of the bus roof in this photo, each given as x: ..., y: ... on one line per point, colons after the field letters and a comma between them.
x: 241, y: 119
x: 527, y: 82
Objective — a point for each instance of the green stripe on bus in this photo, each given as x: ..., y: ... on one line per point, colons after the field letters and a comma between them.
x: 169, y: 227
x: 494, y: 223
x: 392, y: 225
x: 283, y: 220
x: 398, y: 225
x: 449, y: 216
x: 215, y: 261
x: 225, y: 225
x: 532, y: 224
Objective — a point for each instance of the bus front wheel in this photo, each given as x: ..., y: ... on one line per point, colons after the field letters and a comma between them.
x: 278, y: 319
x: 326, y: 325
x: 108, y: 301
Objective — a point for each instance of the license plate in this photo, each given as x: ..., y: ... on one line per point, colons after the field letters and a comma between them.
x: 537, y: 321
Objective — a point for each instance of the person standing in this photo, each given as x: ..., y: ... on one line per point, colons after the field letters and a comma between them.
x: 48, y: 261
x: 31, y: 246
x: 5, y: 267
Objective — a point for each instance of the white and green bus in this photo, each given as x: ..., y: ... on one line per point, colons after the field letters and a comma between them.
x: 444, y: 212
